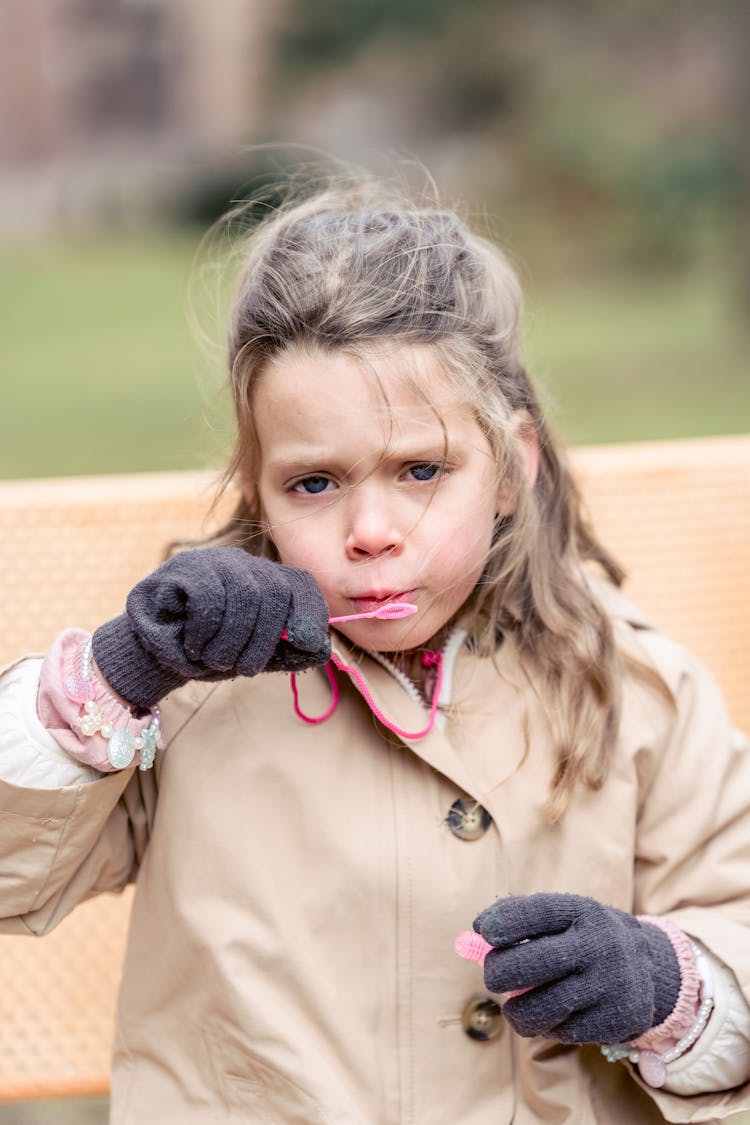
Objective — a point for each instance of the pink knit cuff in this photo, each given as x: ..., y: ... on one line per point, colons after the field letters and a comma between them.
x: 62, y: 715
x: 683, y: 1016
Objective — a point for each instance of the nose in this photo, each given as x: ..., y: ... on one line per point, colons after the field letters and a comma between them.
x: 372, y: 525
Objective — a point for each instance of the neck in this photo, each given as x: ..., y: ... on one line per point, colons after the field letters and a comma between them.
x: 416, y: 665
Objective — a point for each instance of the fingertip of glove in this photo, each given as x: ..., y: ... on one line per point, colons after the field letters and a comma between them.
x: 482, y: 924
x: 320, y: 655
x: 304, y: 632
x: 490, y: 923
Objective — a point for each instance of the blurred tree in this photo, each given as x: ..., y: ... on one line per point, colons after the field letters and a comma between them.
x: 739, y: 59
x: 321, y: 32
x: 616, y: 119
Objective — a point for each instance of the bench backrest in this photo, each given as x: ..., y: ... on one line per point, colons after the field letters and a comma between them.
x: 677, y: 514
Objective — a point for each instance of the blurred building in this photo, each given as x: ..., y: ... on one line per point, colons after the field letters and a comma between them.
x: 106, y: 106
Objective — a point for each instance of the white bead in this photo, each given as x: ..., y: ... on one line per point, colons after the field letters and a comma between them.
x: 121, y: 749
x: 90, y: 707
x: 107, y: 730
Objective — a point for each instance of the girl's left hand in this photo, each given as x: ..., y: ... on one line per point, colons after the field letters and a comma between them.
x: 594, y: 974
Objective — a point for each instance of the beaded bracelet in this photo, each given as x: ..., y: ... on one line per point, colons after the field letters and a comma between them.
x: 652, y: 1065
x: 122, y: 744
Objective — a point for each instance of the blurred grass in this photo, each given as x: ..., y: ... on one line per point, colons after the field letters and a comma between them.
x: 72, y: 1111
x: 629, y: 358
x: 100, y: 372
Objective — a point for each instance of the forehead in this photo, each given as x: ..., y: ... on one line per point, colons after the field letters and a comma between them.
x: 393, y: 395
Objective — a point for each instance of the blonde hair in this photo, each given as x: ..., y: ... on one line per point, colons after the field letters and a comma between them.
x: 359, y: 265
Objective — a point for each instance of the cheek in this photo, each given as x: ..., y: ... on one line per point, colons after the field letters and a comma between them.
x: 465, y: 556
x: 470, y: 532
x: 463, y: 551
x: 301, y: 545
x: 293, y: 545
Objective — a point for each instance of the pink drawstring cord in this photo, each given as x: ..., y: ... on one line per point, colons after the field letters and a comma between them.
x: 432, y: 659
x: 435, y: 659
x: 362, y: 685
x: 312, y: 719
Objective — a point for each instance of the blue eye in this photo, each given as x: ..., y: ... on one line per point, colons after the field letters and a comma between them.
x: 427, y: 471
x: 311, y: 485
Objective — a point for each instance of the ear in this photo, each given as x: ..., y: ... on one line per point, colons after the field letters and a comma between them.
x: 247, y: 488
x: 529, y: 439
x: 524, y: 432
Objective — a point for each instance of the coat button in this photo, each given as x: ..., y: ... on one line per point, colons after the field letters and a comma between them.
x: 467, y: 819
x: 482, y: 1018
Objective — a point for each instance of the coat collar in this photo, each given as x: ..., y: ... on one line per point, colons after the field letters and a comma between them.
x: 463, y: 746
x: 492, y: 715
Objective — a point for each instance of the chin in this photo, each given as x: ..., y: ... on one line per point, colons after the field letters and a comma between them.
x: 378, y: 636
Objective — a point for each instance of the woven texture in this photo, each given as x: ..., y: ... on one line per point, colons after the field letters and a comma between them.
x: 676, y: 514
x: 70, y: 550
x: 57, y: 1000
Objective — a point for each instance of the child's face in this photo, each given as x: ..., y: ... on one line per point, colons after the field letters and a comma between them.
x: 364, y: 493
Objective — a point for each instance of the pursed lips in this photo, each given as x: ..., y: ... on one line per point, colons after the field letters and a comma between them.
x: 378, y: 597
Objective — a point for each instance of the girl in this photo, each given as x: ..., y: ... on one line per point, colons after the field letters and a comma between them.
x: 489, y: 731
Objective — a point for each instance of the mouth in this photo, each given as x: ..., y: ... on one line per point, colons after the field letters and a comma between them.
x: 373, y: 599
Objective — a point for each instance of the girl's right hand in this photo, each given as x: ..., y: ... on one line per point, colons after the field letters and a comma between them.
x: 212, y: 614
x: 579, y: 971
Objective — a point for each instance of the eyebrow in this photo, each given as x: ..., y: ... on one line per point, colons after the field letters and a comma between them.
x: 299, y: 459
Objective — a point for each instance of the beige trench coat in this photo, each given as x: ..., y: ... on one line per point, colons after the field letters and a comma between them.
x: 299, y: 889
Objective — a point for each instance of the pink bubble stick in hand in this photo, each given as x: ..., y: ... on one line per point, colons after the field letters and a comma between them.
x: 473, y: 947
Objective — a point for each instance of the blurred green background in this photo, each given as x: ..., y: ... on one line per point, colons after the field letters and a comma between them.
x: 605, y: 146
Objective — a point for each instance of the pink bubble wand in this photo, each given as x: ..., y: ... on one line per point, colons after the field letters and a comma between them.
x: 391, y: 611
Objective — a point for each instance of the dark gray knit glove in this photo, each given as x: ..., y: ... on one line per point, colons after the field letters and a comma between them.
x: 595, y: 973
x: 212, y: 614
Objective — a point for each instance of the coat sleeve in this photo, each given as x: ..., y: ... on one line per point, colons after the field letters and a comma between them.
x: 693, y: 843
x: 29, y: 755
x: 720, y: 1059
x: 63, y: 844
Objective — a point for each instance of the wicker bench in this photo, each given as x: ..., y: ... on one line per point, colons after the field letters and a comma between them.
x: 677, y: 514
